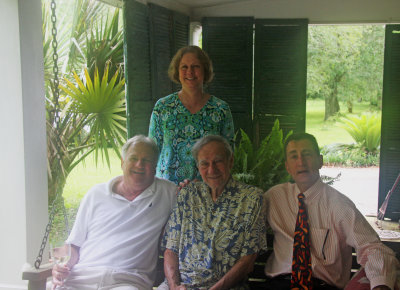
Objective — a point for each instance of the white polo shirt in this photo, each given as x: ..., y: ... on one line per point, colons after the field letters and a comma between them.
x: 115, y: 233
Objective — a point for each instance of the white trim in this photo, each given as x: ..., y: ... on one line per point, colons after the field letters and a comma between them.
x: 11, y: 286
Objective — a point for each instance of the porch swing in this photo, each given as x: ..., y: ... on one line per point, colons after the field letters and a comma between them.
x: 37, y: 276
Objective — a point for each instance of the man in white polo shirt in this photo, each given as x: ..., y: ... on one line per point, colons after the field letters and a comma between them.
x: 116, y: 234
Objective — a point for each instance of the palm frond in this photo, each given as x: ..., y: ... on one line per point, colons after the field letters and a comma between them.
x: 102, y: 102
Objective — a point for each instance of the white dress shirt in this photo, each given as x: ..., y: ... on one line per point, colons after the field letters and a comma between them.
x: 335, y: 227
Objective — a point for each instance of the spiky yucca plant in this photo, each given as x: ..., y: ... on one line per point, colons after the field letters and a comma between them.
x: 365, y: 130
x: 92, y: 119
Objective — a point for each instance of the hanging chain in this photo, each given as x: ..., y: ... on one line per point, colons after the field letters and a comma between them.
x: 47, y: 232
x: 57, y: 120
x: 56, y: 93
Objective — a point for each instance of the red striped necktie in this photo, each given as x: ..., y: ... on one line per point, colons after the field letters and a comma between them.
x: 301, y: 265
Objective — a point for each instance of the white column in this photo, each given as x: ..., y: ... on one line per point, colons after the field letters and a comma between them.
x: 23, y: 179
x: 195, y: 32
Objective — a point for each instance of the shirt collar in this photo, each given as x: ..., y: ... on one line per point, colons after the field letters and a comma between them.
x: 313, y: 191
x: 231, y: 183
x: 147, y: 192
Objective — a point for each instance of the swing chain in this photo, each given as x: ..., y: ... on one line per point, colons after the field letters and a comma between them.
x: 47, y: 232
x: 56, y: 94
x: 58, y: 141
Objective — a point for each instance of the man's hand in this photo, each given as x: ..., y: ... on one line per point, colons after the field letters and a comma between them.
x: 59, y: 274
x: 237, y: 273
x: 184, y: 183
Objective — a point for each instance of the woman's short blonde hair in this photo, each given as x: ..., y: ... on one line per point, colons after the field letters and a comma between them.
x: 173, y: 70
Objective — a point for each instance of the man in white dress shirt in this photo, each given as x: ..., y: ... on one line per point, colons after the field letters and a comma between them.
x: 116, y: 234
x: 335, y: 226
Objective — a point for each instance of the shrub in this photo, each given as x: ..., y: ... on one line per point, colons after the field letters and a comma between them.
x: 349, y: 155
x: 263, y: 165
x: 365, y: 130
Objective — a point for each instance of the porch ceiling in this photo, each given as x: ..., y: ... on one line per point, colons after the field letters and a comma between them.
x: 316, y: 11
x: 190, y: 4
x: 194, y: 4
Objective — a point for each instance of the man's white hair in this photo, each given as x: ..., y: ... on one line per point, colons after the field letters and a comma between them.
x: 208, y: 139
x: 143, y: 140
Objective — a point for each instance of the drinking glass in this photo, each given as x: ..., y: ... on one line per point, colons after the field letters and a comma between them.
x: 60, y: 253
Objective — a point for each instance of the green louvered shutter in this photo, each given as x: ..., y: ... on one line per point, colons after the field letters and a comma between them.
x: 152, y: 34
x: 180, y: 34
x: 169, y: 31
x: 161, y: 50
x: 229, y: 43
x: 390, y: 134
x: 280, y: 74
x: 137, y: 67
x: 180, y: 31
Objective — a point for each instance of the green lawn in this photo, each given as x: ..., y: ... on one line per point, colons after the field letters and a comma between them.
x: 329, y: 132
x: 87, y: 174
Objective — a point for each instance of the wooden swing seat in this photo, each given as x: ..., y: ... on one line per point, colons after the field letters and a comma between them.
x: 38, y: 278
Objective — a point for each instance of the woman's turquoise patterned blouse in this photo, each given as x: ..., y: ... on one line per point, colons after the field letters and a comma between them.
x: 175, y: 130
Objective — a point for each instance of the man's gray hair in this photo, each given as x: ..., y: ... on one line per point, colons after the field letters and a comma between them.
x: 143, y: 140
x: 208, y: 139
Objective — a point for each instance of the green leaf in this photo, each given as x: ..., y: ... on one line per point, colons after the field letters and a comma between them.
x: 262, y: 165
x: 365, y: 130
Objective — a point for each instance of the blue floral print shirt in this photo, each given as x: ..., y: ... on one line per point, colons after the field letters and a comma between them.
x: 175, y: 130
x: 210, y: 237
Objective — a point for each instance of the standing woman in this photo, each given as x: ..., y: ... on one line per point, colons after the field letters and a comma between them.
x: 180, y: 119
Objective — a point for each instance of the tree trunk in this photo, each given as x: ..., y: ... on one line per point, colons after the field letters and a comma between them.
x: 331, y: 101
x: 331, y: 105
x: 349, y: 106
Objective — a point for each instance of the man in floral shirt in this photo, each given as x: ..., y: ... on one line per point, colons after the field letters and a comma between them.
x: 216, y: 229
